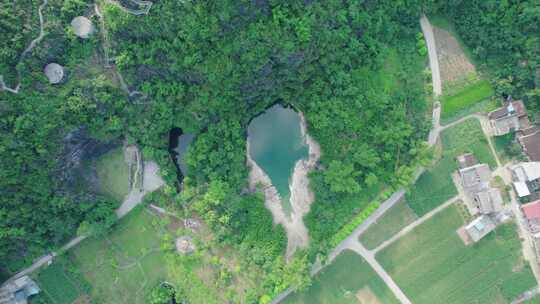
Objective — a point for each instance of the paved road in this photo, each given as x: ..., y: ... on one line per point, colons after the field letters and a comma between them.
x: 352, y: 240
x: 415, y: 224
x: 432, y: 53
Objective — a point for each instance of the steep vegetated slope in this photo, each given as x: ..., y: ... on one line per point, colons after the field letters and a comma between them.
x: 208, y: 67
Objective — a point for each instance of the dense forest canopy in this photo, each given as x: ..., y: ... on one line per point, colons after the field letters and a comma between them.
x: 352, y: 67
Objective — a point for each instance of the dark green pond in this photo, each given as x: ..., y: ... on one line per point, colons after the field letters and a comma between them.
x: 276, y: 144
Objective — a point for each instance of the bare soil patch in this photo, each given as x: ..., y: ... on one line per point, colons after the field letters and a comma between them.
x: 366, y: 296
x: 453, y: 63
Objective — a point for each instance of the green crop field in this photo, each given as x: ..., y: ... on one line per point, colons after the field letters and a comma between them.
x: 435, y: 186
x: 432, y: 265
x: 122, y: 266
x: 61, y: 283
x: 113, y: 174
x: 348, y: 280
x: 471, y: 99
x: 399, y: 216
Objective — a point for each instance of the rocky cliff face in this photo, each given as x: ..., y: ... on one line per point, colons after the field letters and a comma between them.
x: 76, y: 169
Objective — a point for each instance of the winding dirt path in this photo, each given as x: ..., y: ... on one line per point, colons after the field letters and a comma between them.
x: 31, y: 46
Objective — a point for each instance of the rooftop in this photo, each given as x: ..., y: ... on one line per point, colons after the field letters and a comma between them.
x: 489, y: 201
x: 475, y: 175
x: 466, y: 160
x: 531, y: 146
x: 532, y: 210
x: 480, y: 227
x: 510, y: 108
x: 526, y: 171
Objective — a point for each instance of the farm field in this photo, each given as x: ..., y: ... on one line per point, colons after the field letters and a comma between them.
x: 124, y: 265
x: 473, y: 98
x: 113, y: 174
x: 61, y: 284
x: 431, y: 262
x: 399, y: 216
x: 435, y: 185
x: 348, y: 280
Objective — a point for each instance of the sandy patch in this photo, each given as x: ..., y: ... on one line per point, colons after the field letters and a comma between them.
x: 301, y: 196
x: 366, y: 296
x: 464, y: 236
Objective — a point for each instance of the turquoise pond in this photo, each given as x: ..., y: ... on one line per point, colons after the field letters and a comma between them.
x: 276, y: 144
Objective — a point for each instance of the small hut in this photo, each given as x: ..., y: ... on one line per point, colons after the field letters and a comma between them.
x: 54, y: 72
x: 82, y: 27
x: 184, y: 245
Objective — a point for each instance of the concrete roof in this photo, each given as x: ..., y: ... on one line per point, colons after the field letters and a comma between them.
x: 480, y: 227
x: 490, y: 201
x: 521, y: 189
x: 474, y: 175
x: 527, y: 171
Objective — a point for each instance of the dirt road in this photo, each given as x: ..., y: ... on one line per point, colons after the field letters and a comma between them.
x: 370, y: 258
x: 415, y: 224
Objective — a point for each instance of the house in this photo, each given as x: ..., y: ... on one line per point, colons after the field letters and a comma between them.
x: 475, y: 178
x: 526, y: 178
x: 18, y: 291
x: 512, y: 116
x: 482, y: 198
x: 480, y: 227
x: 529, y: 139
x: 466, y: 160
x: 532, y: 214
x: 531, y: 211
x: 488, y: 201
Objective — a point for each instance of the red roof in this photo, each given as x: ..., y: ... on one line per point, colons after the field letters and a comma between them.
x: 532, y: 210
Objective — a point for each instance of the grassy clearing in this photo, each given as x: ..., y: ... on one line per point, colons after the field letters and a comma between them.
x: 399, y: 216
x: 508, y: 148
x: 466, y: 101
x: 340, y: 282
x: 535, y: 300
x: 431, y: 262
x: 113, y: 174
x: 435, y: 186
x: 123, y: 266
